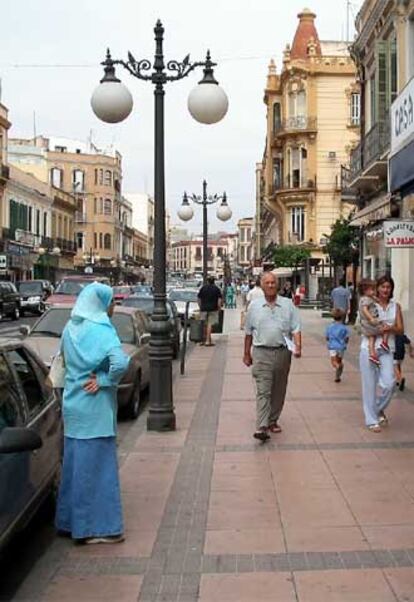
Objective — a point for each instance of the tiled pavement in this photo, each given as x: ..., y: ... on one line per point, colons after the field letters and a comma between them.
x: 324, y: 512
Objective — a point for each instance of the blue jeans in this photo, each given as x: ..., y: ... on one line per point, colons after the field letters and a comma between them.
x: 372, y: 378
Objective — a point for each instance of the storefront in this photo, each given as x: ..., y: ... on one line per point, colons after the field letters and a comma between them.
x: 401, y: 177
x: 376, y: 258
x: 20, y: 261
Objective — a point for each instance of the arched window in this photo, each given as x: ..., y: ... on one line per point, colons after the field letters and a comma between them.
x: 107, y: 207
x: 108, y: 177
x: 107, y: 242
x: 56, y: 177
x: 101, y: 177
x: 277, y: 117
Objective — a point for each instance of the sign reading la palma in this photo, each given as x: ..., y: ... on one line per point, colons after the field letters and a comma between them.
x: 399, y: 234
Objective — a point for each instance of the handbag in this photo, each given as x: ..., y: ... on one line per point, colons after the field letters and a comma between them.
x: 56, y: 376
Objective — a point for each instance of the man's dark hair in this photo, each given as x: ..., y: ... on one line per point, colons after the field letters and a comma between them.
x: 342, y: 282
x: 210, y: 280
x: 258, y: 282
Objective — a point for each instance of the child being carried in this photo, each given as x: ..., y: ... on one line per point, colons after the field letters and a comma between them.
x: 369, y: 318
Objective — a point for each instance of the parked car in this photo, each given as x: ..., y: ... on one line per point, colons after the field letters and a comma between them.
x: 70, y: 286
x: 141, y: 289
x: 181, y: 296
x: 132, y: 326
x: 33, y: 295
x: 146, y: 304
x: 9, y: 301
x: 30, y: 437
x: 121, y: 293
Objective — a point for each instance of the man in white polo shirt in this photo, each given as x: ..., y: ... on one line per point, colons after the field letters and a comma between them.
x: 273, y: 333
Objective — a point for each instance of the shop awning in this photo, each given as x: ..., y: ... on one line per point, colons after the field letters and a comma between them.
x: 283, y: 272
x: 377, y: 210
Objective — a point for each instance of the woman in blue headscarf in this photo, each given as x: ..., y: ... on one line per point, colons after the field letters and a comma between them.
x: 89, y: 501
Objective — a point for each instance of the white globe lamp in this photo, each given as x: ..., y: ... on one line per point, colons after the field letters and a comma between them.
x: 207, y: 102
x: 186, y: 212
x: 224, y: 212
x: 111, y: 100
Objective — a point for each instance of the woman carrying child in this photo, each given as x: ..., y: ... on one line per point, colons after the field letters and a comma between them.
x: 378, y: 381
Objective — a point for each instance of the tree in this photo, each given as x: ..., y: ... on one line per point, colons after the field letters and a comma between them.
x: 343, y: 244
x: 343, y: 249
x: 289, y: 256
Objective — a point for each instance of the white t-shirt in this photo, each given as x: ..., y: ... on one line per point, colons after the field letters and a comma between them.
x: 254, y: 293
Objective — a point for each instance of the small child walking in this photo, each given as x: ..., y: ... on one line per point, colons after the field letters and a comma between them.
x: 337, y: 337
x: 368, y: 314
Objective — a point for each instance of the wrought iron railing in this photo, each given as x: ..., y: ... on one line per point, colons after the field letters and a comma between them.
x: 297, y: 122
x: 371, y: 148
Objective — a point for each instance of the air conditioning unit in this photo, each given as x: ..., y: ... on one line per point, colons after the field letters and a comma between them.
x: 331, y: 155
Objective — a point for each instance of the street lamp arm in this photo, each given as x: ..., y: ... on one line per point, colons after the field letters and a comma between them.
x: 211, y: 200
x: 183, y: 68
x: 137, y: 68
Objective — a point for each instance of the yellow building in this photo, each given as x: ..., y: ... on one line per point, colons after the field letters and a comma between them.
x: 4, y: 169
x: 94, y: 178
x: 312, y: 122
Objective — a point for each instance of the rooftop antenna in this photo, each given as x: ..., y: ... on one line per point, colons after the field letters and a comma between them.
x: 348, y: 10
x: 34, y: 126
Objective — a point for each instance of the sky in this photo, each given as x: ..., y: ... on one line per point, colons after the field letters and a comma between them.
x: 49, y: 66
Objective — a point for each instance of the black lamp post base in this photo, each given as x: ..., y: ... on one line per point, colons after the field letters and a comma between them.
x: 161, y: 421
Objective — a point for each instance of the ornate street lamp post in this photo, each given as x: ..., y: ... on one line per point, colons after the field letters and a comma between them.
x: 207, y: 103
x: 186, y: 212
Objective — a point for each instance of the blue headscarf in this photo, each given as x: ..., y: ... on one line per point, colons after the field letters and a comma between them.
x: 90, y: 330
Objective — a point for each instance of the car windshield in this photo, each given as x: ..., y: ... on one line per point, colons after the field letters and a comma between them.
x: 121, y: 290
x: 30, y: 288
x: 142, y: 288
x: 146, y: 304
x: 183, y: 295
x: 54, y: 321
x: 71, y: 287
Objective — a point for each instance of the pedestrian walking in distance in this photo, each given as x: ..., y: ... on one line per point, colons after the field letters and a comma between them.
x: 89, y: 501
x: 255, y: 293
x: 271, y: 324
x: 401, y: 341
x: 209, y: 300
x: 337, y: 337
x: 341, y: 299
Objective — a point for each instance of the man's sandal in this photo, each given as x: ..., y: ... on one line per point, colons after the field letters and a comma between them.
x: 275, y: 428
x: 374, y: 428
x: 261, y: 434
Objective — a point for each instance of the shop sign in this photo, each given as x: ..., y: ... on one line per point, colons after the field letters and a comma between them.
x: 402, y: 117
x: 399, y: 234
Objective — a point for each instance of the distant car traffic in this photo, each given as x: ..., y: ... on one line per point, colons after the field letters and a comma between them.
x: 146, y: 304
x: 132, y: 326
x: 33, y: 294
x: 181, y: 296
x: 121, y: 293
x: 30, y: 437
x: 10, y: 301
x: 69, y: 288
x: 142, y: 289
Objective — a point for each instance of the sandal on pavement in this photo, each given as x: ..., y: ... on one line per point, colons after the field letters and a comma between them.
x: 374, y: 428
x: 210, y: 345
x: 383, y: 420
x: 108, y: 539
x: 275, y: 428
x: 261, y: 434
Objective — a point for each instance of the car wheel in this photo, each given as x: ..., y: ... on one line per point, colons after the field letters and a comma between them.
x: 132, y: 408
x: 16, y: 313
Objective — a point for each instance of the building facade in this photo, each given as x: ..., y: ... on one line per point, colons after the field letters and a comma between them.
x: 143, y: 219
x: 245, y: 251
x: 187, y: 256
x: 312, y: 122
x: 381, y: 167
x: 94, y: 178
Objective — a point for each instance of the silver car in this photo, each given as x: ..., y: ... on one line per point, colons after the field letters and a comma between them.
x: 132, y: 326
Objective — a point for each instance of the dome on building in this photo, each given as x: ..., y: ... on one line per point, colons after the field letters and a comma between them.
x: 306, y: 33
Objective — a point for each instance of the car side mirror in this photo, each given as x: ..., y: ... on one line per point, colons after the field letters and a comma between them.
x: 144, y: 338
x: 19, y: 439
x: 24, y: 329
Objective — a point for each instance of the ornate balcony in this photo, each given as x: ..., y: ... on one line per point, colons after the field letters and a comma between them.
x: 368, y: 161
x: 295, y: 125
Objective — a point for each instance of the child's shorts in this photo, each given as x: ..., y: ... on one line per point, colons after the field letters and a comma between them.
x: 334, y: 353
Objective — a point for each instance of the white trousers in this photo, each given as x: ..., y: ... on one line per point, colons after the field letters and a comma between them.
x: 377, y: 384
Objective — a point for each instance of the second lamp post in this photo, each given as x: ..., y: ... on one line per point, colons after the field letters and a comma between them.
x: 186, y: 212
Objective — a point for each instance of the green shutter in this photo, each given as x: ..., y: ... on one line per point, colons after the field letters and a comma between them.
x: 382, y: 82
